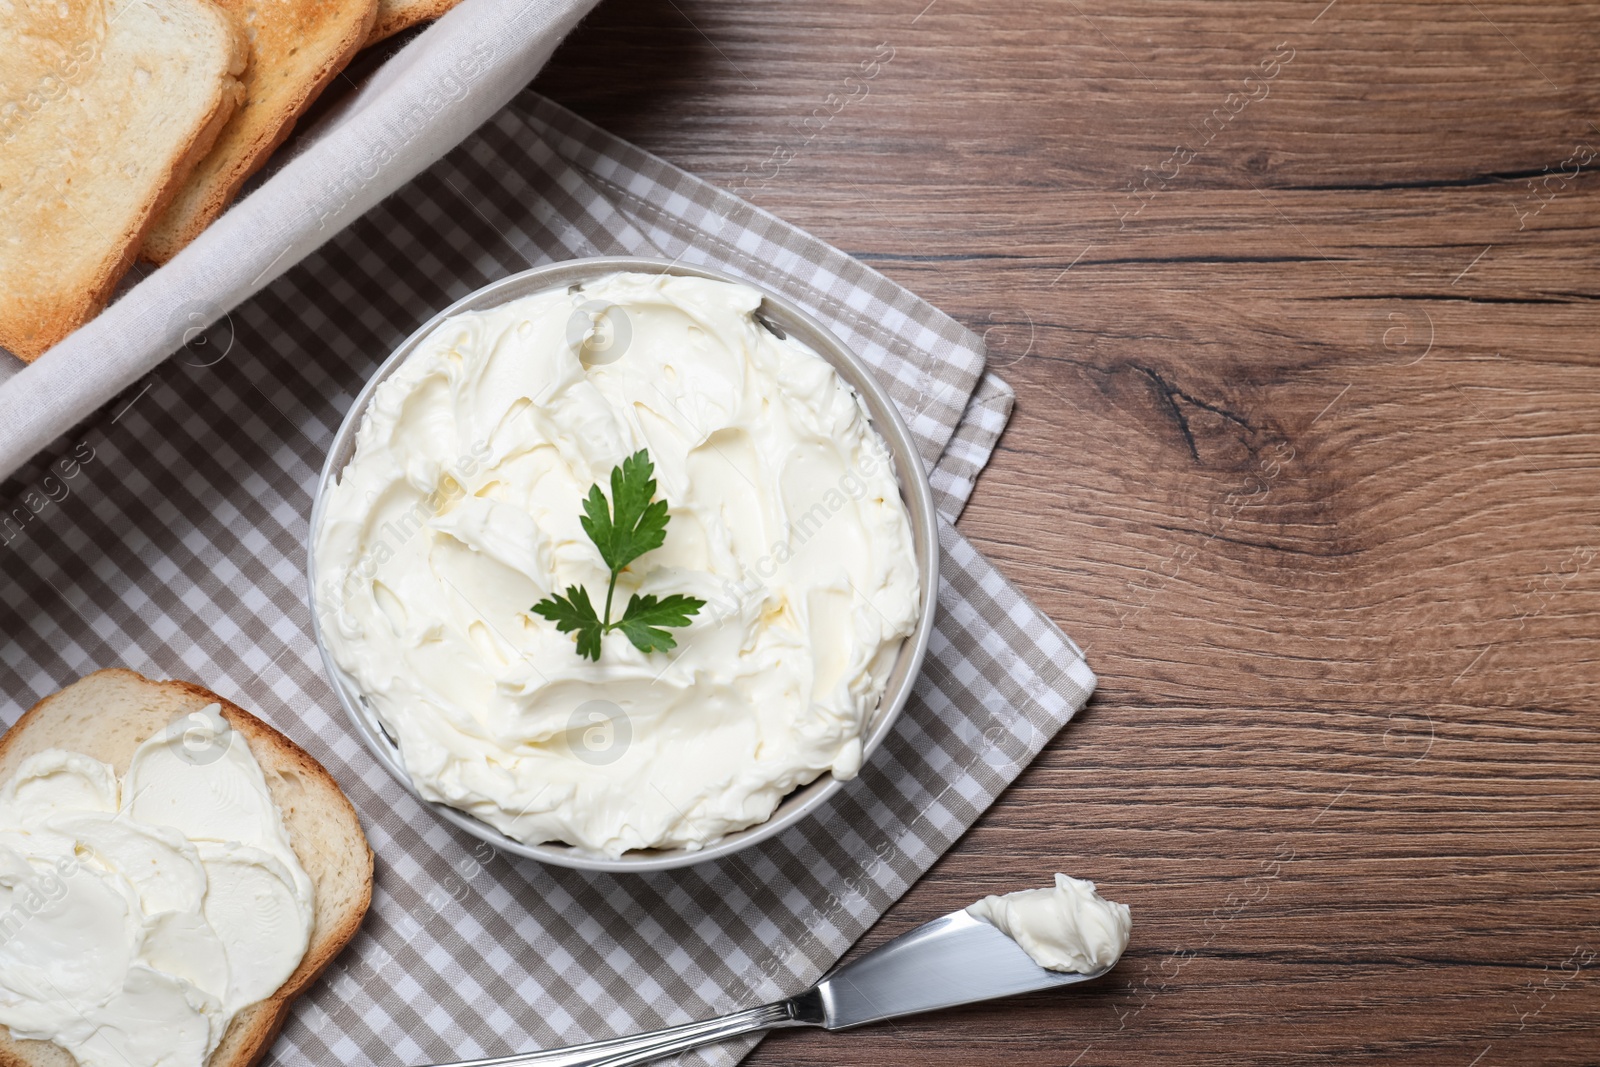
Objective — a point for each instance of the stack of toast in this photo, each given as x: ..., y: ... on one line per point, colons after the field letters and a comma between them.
x: 128, y: 126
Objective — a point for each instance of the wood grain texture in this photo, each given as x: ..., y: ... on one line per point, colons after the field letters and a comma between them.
x: 1306, y: 452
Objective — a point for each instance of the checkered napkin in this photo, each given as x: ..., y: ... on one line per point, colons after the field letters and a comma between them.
x: 170, y: 537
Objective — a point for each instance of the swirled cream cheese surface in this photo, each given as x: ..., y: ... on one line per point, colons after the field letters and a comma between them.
x: 138, y: 916
x: 459, y: 510
x: 1068, y: 927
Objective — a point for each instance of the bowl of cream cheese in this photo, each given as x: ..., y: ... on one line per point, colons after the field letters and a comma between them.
x: 458, y: 494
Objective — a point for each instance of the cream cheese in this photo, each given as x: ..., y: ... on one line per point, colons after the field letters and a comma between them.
x: 1066, y: 928
x: 459, y: 511
x: 137, y: 917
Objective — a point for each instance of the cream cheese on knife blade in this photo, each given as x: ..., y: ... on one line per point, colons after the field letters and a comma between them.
x: 137, y: 917
x: 459, y: 511
x: 1069, y: 927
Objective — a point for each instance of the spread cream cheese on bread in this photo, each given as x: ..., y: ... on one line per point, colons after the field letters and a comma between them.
x: 1069, y: 927
x: 460, y: 508
x: 137, y: 917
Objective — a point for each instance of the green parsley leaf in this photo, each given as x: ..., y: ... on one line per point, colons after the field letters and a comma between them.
x: 632, y: 524
x: 573, y: 612
x: 646, y: 615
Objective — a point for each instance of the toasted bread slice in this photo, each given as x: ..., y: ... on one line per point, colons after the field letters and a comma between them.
x: 397, y: 15
x: 109, y: 714
x: 105, y: 108
x: 296, y: 48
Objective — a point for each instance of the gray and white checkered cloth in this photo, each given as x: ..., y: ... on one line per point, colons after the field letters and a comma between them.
x: 169, y: 535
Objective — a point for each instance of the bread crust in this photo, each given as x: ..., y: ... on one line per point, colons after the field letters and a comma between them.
x: 43, y: 324
x: 209, y: 191
x: 397, y: 15
x: 254, y: 1028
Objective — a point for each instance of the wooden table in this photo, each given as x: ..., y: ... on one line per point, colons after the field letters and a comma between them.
x: 1299, y: 303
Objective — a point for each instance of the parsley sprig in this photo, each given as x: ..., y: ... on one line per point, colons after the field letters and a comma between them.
x: 632, y: 524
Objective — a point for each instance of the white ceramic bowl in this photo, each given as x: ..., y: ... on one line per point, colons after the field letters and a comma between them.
x: 782, y: 317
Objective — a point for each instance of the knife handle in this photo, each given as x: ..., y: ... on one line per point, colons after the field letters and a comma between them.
x: 642, y: 1048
